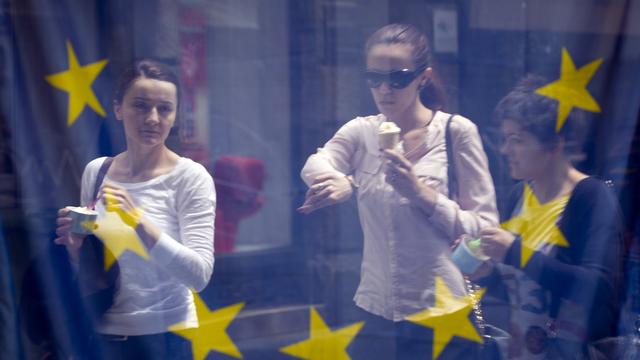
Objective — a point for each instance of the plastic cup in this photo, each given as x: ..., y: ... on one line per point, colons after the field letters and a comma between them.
x: 84, y: 219
x: 467, y: 256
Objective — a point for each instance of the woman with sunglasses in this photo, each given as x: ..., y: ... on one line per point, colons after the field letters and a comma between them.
x: 407, y: 216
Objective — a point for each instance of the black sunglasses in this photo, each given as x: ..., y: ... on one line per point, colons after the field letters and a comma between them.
x: 397, y: 79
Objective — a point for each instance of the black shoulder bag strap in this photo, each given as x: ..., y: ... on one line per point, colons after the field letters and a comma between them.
x: 453, y: 193
x: 101, y: 174
x: 97, y: 284
x: 451, y: 166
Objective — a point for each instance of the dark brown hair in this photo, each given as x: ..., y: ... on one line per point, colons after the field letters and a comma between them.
x: 432, y: 94
x: 145, y: 68
x: 537, y: 115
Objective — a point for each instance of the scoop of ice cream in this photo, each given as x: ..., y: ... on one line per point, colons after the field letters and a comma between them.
x: 388, y: 127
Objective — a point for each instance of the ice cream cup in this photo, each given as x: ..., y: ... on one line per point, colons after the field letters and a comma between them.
x: 467, y: 259
x: 84, y: 219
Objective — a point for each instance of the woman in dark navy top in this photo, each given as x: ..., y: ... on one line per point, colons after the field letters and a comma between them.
x: 557, y: 255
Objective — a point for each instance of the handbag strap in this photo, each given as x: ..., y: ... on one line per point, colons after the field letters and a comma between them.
x: 101, y: 174
x: 97, y: 284
x: 451, y: 166
x: 472, y: 289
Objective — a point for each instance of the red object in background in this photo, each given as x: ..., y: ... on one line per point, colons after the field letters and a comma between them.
x: 239, y: 181
x: 195, y: 151
x: 193, y: 69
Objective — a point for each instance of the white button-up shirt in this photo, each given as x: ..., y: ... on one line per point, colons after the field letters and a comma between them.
x: 404, y: 249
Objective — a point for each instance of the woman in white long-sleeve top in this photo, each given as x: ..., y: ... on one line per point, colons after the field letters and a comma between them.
x: 407, y: 216
x: 169, y: 202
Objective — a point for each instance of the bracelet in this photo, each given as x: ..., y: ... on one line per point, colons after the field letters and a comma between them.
x: 351, y: 181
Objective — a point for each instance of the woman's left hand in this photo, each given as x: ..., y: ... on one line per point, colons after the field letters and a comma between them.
x: 327, y: 189
x: 116, y: 198
x: 495, y: 242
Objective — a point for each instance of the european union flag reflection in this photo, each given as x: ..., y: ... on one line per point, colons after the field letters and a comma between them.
x: 57, y: 112
x: 60, y: 86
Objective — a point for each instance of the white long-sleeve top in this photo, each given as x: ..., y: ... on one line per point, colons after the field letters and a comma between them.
x: 154, y: 293
x: 404, y: 249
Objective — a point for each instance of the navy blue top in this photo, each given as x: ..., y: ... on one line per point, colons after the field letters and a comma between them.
x: 588, y: 271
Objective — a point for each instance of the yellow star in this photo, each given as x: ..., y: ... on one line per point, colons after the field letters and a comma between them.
x: 536, y: 224
x: 324, y: 343
x: 571, y: 89
x: 129, y: 217
x: 77, y: 82
x: 449, y: 317
x: 118, y: 237
x: 211, y: 334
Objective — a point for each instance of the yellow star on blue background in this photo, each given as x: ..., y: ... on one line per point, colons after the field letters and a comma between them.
x: 536, y: 224
x: 211, y: 334
x: 322, y: 342
x: 571, y: 89
x: 77, y: 81
x: 449, y: 317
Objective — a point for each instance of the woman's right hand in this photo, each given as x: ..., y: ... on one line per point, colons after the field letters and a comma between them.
x: 72, y: 241
x: 496, y: 242
x: 327, y: 189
